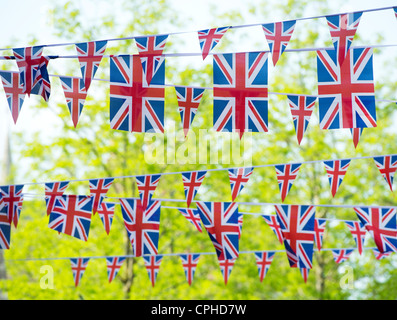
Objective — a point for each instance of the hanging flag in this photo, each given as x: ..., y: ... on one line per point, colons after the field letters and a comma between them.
x: 379, y: 255
x: 273, y: 223
x: 189, y: 263
x: 98, y: 190
x: 341, y: 255
x: 14, y: 92
x: 356, y: 134
x: 42, y: 85
x: 142, y: 225
x: 191, y: 184
x: 387, y: 166
x: 188, y: 102
x: 146, y: 186
x: 305, y: 273
x: 5, y: 230
x: 221, y: 222
x: 113, y: 265
x: 134, y: 105
x: 78, y: 268
x: 358, y: 231
x: 319, y: 230
x: 193, y: 216
x: 278, y: 35
x: 90, y: 55
x: 75, y: 95
x: 263, y: 261
x: 346, y: 92
x: 226, y: 266
x: 71, y: 215
x: 209, y: 38
x: 238, y: 179
x: 240, y: 224
x: 336, y: 171
x: 381, y: 223
x: 301, y: 110
x: 286, y: 175
x: 150, y: 50
x: 343, y: 27
x: 106, y: 213
x: 152, y: 264
x: 52, y: 191
x: 240, y: 92
x: 11, y: 200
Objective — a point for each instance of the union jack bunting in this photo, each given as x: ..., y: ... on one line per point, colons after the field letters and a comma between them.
x: 52, y: 191
x: 152, y: 264
x: 286, y: 175
x: 240, y: 92
x: 134, y: 105
x: 273, y: 223
x: 341, y: 255
x: 381, y: 223
x: 221, y: 222
x: 142, y: 225
x: 336, y: 171
x: 319, y: 230
x: 188, y: 102
x: 79, y: 266
x: 189, y: 263
x: 193, y: 216
x: 209, y: 38
x: 191, y: 184
x: 395, y: 11
x: 146, y: 186
x: 343, y: 27
x: 226, y: 266
x: 358, y: 231
x: 263, y: 261
x: 113, y: 265
x: 11, y: 202
x: 106, y: 213
x: 301, y: 110
x: 42, y: 85
x: 356, y: 135
x: 90, y: 55
x: 278, y: 35
x: 297, y: 226
x: 13, y: 91
x: 379, y: 255
x: 346, y: 92
x: 387, y: 166
x: 71, y: 215
x: 305, y: 273
x: 238, y: 179
x: 150, y: 52
x: 98, y: 190
x: 5, y: 230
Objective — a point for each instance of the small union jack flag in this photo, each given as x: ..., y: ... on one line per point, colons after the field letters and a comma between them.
x: 14, y: 92
x: 52, y: 191
x: 278, y: 35
x: 358, y: 231
x: 387, y: 166
x: 341, y: 255
x: 379, y: 255
x: 79, y: 266
x: 5, y: 230
x: 263, y: 261
x: 191, y: 184
x: 152, y: 264
x: 90, y: 55
x: 238, y: 179
x: 226, y: 268
x: 336, y: 171
x: 273, y: 223
x: 319, y: 230
x: 188, y: 102
x: 113, y: 265
x: 286, y: 175
x: 11, y: 200
x: 146, y: 186
x: 106, y: 213
x: 98, y: 190
x: 42, y: 84
x: 395, y: 11
x: 305, y: 273
x: 189, y: 263
x: 356, y: 135
x: 209, y: 38
x: 193, y: 216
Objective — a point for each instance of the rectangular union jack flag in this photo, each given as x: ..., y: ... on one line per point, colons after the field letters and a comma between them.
x: 209, y: 38
x: 152, y: 264
x: 238, y: 178
x: 189, y: 263
x: 387, y: 166
x: 241, y: 92
x: 336, y: 171
x: 79, y: 266
x: 98, y: 190
x: 193, y: 216
x: 52, y: 191
x: 286, y: 175
x: 358, y: 231
x: 5, y: 230
x: 113, y: 265
x: 263, y: 261
x: 11, y: 201
x: 301, y: 110
x: 14, y: 92
x: 191, y: 184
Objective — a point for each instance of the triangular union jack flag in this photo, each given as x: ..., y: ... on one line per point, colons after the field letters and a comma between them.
x: 395, y: 11
x: 106, y: 213
x: 305, y: 273
x: 193, y: 216
x: 79, y: 266
x: 42, y: 84
x: 134, y: 105
x: 356, y: 135
x: 150, y: 50
x: 142, y: 225
x: 52, y: 191
x: 188, y: 102
x: 98, y: 190
x: 358, y: 231
x: 226, y: 266
x: 5, y: 230
x: 301, y: 110
x: 286, y: 175
x: 13, y: 91
x: 297, y: 226
x: 152, y: 264
x: 336, y: 171
x: 191, y: 184
x: 209, y: 38
x: 71, y: 215
x: 146, y: 186
x: 381, y: 223
x: 221, y: 222
x: 319, y: 230
x: 273, y: 223
x: 341, y: 255
x: 278, y: 35
x: 379, y: 255
x: 75, y: 95
x: 343, y: 27
x: 241, y: 92
x: 238, y: 179
x: 387, y: 166
x: 11, y: 202
x: 90, y: 55
x: 189, y: 264
x: 263, y: 261
x: 113, y: 265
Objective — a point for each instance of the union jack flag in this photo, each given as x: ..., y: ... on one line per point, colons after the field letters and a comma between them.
x: 188, y: 102
x: 336, y: 171
x: 238, y: 179
x: 263, y: 261
x: 98, y: 190
x: 305, y: 273
x: 379, y: 255
x: 52, y: 191
x: 356, y: 134
x: 90, y: 55
x: 11, y: 202
x: 193, y: 216
x: 106, y: 213
x: 381, y: 223
x: 209, y: 38
x: 191, y: 184
x: 301, y: 110
x: 273, y: 223
x: 221, y: 222
x: 142, y: 225
x: 286, y: 175
x: 5, y: 230
x: 42, y: 84
x: 72, y: 216
x: 395, y: 11
x: 146, y: 186
x: 297, y: 226
x: 113, y: 265
x: 343, y: 27
x: 134, y: 105
x: 346, y: 92
x: 341, y: 255
x: 150, y: 52
x: 226, y: 266
x: 189, y: 263
x: 241, y: 92
x: 387, y: 166
x: 278, y: 35
x: 14, y: 92
x: 152, y: 264
x: 78, y: 268
x: 358, y: 231
x: 319, y: 230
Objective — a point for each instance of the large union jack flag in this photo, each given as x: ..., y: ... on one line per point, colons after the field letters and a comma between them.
x: 42, y: 85
x: 226, y: 266
x: 209, y: 38
x: 278, y: 35
x: 191, y: 184
x: 14, y: 92
x: 152, y: 264
x: 241, y: 92
x: 193, y: 216
x: 263, y: 261
x: 358, y: 231
x: 189, y: 264
x: 71, y: 215
x: 147, y: 184
x: 113, y: 265
x: 52, y: 191
x: 5, y: 230
x: 336, y: 171
x: 341, y: 255
x: 11, y: 202
x: 106, y: 213
x: 273, y: 223
x: 286, y: 175
x: 346, y: 92
x: 134, y: 105
x: 387, y: 166
x: 98, y: 190
x: 381, y: 223
x: 79, y: 266
x: 142, y: 225
x: 238, y: 179
x: 319, y: 230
